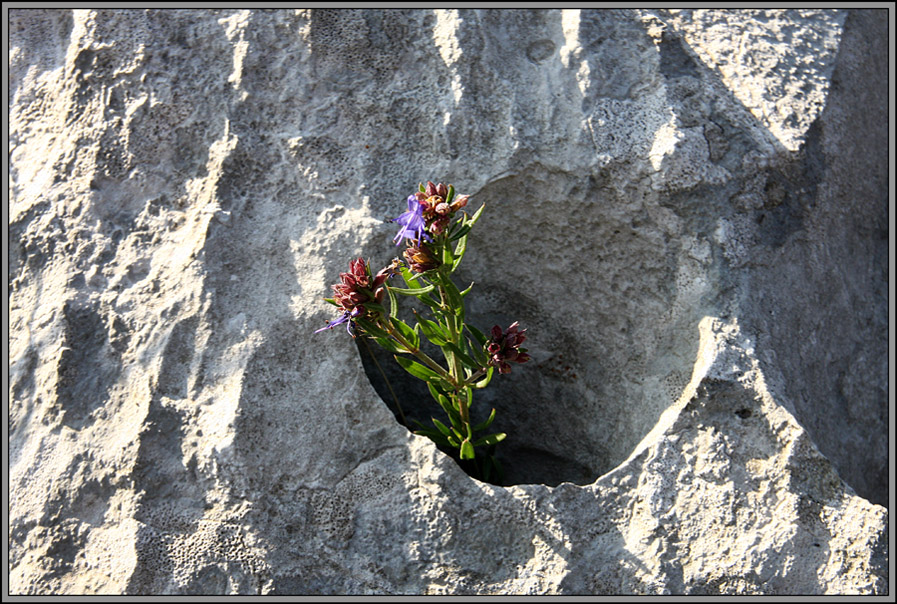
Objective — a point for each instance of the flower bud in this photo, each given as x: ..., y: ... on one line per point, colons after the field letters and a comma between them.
x: 504, y: 348
x: 421, y: 258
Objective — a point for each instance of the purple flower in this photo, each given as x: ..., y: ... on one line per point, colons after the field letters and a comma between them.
x: 346, y: 318
x: 412, y: 221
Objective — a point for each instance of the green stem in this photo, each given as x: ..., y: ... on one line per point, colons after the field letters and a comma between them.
x: 474, y: 377
x: 420, y: 354
x: 452, y: 323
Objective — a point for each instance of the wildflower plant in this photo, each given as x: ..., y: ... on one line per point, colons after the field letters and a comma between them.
x: 435, y: 230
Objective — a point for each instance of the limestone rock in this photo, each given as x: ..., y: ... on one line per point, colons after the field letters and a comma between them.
x: 686, y: 209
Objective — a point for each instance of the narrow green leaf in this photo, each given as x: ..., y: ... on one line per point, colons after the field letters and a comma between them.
x: 476, y: 333
x: 479, y: 353
x: 454, y: 297
x: 408, y: 333
x: 442, y: 427
x: 477, y: 215
x: 391, y: 345
x: 422, y: 188
x: 370, y: 328
x: 437, y: 394
x: 461, y: 232
x: 436, y: 306
x: 467, y: 291
x: 460, y: 250
x: 446, y: 405
x: 465, y: 359
x: 492, y: 439
x: 410, y: 279
x: 416, y: 369
x: 432, y: 331
x: 331, y: 301
x: 467, y: 450
x: 454, y: 442
x: 373, y: 306
x: 448, y: 258
x: 485, y: 381
x: 450, y: 194
x: 393, y: 305
x: 412, y: 291
x: 486, y: 423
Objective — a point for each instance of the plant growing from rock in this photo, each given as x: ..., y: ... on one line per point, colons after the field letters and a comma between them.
x: 435, y: 231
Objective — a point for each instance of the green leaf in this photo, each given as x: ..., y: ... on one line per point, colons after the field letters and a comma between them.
x: 468, y: 392
x: 467, y: 291
x: 476, y: 333
x: 461, y: 232
x: 448, y: 259
x: 432, y: 331
x: 436, y: 306
x: 412, y: 291
x: 479, y: 353
x: 331, y: 301
x: 477, y: 215
x: 485, y: 381
x: 416, y: 369
x: 393, y: 305
x: 492, y: 439
x: 456, y: 302
x: 422, y: 188
x: 442, y: 427
x: 486, y: 423
x: 410, y: 279
x: 450, y: 194
x: 391, y: 345
x: 438, y: 396
x: 409, y: 334
x: 460, y: 250
x: 373, y: 306
x: 370, y: 328
x: 454, y: 442
x: 465, y: 360
x: 446, y: 405
x: 467, y: 450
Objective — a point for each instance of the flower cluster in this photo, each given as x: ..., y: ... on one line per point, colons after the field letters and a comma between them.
x: 430, y: 211
x: 504, y: 348
x: 358, y: 288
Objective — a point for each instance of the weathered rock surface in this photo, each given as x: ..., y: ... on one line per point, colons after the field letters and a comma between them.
x: 686, y: 209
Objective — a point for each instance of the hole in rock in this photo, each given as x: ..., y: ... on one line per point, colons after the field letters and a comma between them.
x: 612, y: 339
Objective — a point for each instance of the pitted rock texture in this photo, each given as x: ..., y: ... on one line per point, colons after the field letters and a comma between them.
x: 686, y: 209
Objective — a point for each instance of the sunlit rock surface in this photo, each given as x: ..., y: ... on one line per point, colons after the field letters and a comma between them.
x: 686, y: 209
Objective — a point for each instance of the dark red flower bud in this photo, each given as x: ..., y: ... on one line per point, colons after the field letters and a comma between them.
x: 503, y: 348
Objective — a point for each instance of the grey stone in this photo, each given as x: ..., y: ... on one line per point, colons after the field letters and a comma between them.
x: 686, y: 209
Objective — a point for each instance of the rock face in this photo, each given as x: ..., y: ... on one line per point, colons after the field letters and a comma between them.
x: 686, y: 209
